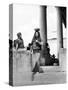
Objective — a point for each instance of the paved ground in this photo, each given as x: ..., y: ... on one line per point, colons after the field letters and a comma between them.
x: 46, y: 78
x: 51, y: 77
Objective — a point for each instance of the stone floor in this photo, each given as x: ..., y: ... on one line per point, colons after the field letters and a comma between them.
x: 46, y: 78
x: 51, y: 77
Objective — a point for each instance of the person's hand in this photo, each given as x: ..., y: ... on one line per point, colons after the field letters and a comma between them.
x: 36, y: 40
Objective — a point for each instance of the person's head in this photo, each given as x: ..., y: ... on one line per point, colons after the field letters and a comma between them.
x: 37, y: 33
x: 19, y: 35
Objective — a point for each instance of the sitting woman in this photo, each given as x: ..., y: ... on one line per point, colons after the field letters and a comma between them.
x: 18, y: 43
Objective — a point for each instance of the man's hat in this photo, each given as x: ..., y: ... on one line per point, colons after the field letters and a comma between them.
x: 37, y: 29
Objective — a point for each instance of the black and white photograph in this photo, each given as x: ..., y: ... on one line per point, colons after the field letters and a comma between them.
x: 37, y: 44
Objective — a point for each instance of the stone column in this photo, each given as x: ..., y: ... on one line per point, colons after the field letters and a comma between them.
x: 43, y: 32
x: 59, y: 31
x: 61, y: 54
x: 43, y: 24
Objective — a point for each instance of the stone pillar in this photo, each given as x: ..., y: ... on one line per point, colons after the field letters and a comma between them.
x: 59, y: 31
x: 43, y: 24
x: 43, y: 31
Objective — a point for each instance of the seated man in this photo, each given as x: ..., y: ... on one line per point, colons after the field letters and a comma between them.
x: 18, y: 43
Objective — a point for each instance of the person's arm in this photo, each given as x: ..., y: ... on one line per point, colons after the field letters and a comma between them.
x: 16, y: 46
x: 31, y: 50
x: 23, y: 43
x: 40, y: 42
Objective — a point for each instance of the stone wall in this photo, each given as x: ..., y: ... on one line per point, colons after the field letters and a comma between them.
x: 23, y: 64
x: 21, y: 67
